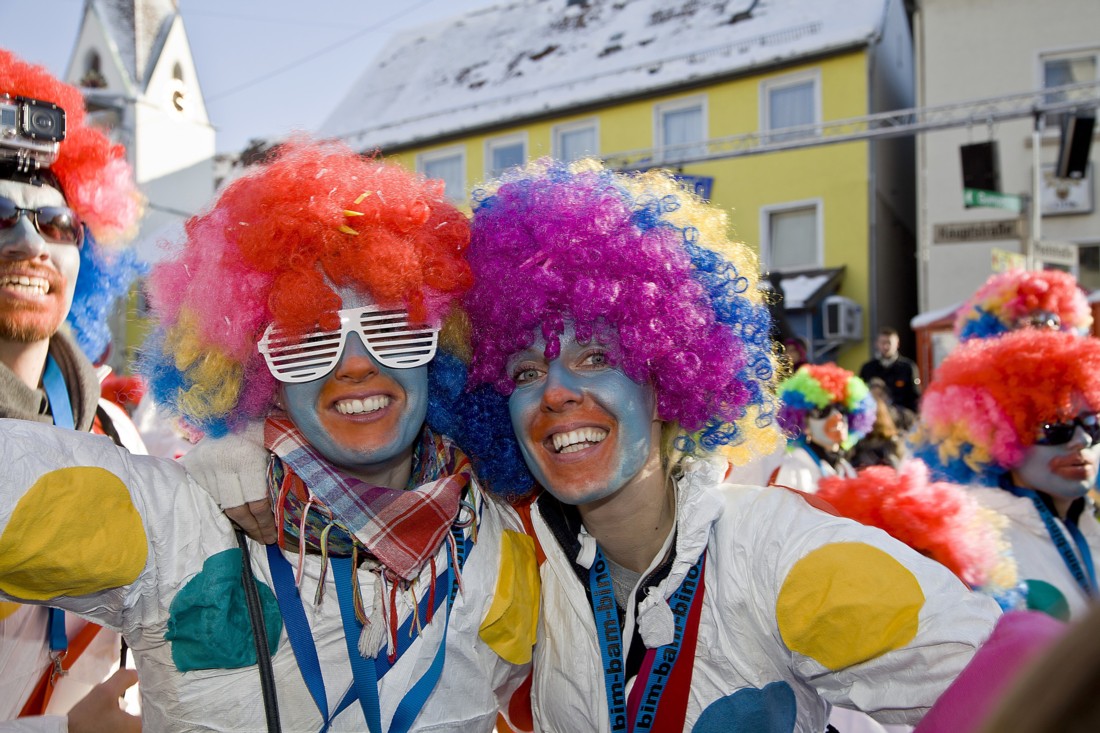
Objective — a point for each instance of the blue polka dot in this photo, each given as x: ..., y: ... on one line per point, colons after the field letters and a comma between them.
x: 770, y: 710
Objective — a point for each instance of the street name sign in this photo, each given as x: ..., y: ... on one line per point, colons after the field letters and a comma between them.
x: 976, y: 231
x: 976, y: 197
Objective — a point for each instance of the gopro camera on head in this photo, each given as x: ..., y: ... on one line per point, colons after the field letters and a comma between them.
x: 31, y: 132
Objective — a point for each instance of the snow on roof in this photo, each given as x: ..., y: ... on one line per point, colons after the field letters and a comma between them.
x: 136, y: 28
x: 528, y: 57
x: 799, y: 289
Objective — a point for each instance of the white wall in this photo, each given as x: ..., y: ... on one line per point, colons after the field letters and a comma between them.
x: 972, y: 49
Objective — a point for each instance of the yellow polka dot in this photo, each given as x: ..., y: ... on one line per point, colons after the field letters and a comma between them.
x: 7, y: 608
x: 846, y: 603
x: 74, y: 532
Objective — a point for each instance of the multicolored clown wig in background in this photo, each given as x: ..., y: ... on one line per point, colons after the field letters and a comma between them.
x: 275, y: 247
x: 98, y: 184
x: 641, y: 265
x: 815, y: 387
x: 980, y: 413
x: 1021, y: 298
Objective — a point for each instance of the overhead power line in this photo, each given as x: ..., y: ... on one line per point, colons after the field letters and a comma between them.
x: 880, y: 125
x: 321, y: 52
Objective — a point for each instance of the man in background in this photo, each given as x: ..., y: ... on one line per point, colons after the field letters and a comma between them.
x: 900, y: 374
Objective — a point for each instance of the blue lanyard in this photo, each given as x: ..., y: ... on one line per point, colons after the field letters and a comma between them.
x: 610, y: 634
x: 57, y: 394
x: 365, y: 672
x: 1086, y: 575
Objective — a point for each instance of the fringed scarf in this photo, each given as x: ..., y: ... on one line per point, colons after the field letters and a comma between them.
x: 325, y: 511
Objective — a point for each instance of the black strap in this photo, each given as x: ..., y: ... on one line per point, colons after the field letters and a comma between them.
x: 259, y: 636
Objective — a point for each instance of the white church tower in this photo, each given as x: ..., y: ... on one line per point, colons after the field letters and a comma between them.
x: 133, y: 62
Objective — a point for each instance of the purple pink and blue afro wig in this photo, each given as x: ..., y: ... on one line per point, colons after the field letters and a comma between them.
x: 1021, y: 298
x: 98, y: 185
x: 275, y: 247
x: 640, y: 264
x: 990, y: 396
x: 816, y: 386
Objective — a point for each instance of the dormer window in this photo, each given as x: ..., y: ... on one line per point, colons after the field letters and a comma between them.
x: 93, y: 75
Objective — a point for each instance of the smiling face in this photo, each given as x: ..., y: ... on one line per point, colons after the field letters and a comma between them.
x: 37, y: 277
x: 585, y: 429
x: 361, y: 416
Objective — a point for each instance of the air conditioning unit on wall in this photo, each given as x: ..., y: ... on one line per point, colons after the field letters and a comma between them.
x: 843, y: 319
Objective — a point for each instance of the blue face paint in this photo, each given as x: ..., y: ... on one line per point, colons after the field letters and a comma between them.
x: 361, y: 416
x: 585, y: 429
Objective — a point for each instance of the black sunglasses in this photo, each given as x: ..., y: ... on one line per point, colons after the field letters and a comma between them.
x: 58, y: 224
x: 826, y: 411
x: 1060, y: 433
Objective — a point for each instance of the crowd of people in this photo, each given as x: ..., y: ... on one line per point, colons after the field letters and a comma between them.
x: 487, y: 472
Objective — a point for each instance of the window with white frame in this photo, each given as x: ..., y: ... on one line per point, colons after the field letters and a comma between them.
x: 1068, y: 67
x: 447, y: 165
x: 575, y: 140
x: 681, y: 129
x: 790, y: 101
x: 792, y: 236
x: 503, y: 153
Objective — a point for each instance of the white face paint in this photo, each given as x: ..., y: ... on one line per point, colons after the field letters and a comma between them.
x: 1064, y: 471
x: 829, y: 431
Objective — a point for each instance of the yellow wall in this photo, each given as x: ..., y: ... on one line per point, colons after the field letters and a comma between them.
x: 837, y: 175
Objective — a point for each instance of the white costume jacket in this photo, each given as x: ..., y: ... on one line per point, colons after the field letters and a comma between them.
x: 141, y: 532
x: 1051, y: 586
x: 802, y: 470
x: 800, y: 610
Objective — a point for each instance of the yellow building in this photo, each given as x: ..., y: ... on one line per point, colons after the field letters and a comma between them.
x: 690, y: 86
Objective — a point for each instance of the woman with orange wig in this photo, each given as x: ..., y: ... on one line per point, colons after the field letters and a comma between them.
x: 315, y: 301
x: 1015, y: 417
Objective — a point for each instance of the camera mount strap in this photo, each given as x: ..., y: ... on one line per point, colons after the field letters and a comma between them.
x: 259, y: 636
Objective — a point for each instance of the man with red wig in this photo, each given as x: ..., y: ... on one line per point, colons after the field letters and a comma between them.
x: 1015, y: 417
x: 66, y: 195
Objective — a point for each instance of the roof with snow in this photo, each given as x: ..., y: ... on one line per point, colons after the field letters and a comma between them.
x: 525, y: 58
x: 138, y: 29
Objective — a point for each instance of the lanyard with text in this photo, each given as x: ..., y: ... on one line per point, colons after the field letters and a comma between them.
x: 1085, y: 574
x: 365, y: 672
x: 660, y: 666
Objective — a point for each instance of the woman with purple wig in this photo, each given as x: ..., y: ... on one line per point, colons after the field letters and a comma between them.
x: 627, y: 332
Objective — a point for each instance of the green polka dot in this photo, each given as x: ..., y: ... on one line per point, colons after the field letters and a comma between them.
x: 208, y: 625
x: 1042, y: 596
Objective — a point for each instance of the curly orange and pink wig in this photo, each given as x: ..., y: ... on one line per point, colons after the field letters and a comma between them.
x: 275, y: 247
x: 988, y: 398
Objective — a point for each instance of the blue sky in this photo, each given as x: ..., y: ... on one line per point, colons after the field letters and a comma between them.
x: 241, y: 48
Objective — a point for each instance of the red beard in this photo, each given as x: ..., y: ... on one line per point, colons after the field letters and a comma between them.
x: 27, y: 318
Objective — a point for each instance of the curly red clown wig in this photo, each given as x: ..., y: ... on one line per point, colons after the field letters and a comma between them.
x: 275, y: 247
x: 982, y: 410
x: 93, y: 173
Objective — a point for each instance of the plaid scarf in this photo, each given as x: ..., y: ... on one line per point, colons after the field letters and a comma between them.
x: 401, y: 528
